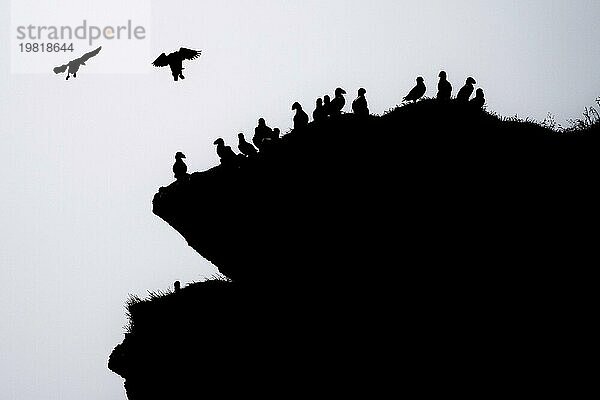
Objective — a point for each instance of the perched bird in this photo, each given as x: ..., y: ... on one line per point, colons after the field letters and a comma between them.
x: 359, y: 106
x: 179, y: 168
x: 301, y: 118
x: 479, y: 100
x: 327, y: 105
x: 262, y: 133
x: 444, y: 88
x: 338, y: 102
x: 225, y: 153
x: 246, y: 148
x: 276, y: 133
x: 73, y: 66
x: 417, y: 92
x: 319, y: 114
x: 466, y: 91
x: 175, y: 61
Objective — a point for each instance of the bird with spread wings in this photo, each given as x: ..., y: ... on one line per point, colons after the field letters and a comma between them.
x: 175, y: 61
x: 73, y: 66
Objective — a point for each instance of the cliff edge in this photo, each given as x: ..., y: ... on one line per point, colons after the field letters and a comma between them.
x: 427, y: 247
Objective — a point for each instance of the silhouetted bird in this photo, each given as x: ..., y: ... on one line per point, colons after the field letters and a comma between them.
x: 479, y: 100
x: 444, y: 88
x: 417, y: 92
x: 359, y: 106
x: 175, y: 61
x: 73, y: 66
x: 327, y: 105
x: 179, y: 168
x: 225, y: 153
x: 276, y: 133
x: 338, y: 102
x: 261, y: 133
x: 177, y: 286
x: 319, y: 114
x: 301, y: 118
x: 466, y: 91
x: 246, y: 148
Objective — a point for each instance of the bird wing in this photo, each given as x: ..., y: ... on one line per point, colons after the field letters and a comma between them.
x: 247, y: 148
x: 89, y: 55
x: 61, y: 69
x: 161, y: 61
x: 412, y: 94
x: 229, y: 151
x: 463, y: 92
x: 187, y: 54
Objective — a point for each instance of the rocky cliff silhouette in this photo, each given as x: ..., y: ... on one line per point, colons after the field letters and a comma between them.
x: 368, y: 254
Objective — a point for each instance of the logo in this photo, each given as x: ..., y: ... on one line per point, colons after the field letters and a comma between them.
x: 45, y: 33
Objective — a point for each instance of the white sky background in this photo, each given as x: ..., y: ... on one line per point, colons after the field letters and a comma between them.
x: 81, y: 160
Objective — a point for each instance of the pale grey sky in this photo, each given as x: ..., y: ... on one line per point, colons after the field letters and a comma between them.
x: 81, y: 160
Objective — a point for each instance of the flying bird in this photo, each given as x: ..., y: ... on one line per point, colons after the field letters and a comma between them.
x: 175, y: 61
x: 417, y: 92
x: 246, y: 148
x: 179, y: 168
x: 360, y: 106
x: 301, y: 118
x: 444, y: 87
x: 73, y: 66
x: 338, y: 102
x: 466, y: 91
x: 479, y: 100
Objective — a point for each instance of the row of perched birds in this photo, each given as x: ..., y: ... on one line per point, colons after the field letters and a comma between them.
x: 445, y: 91
x: 264, y: 136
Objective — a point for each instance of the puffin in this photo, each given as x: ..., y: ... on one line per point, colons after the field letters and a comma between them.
x: 417, y: 92
x: 466, y: 91
x: 262, y: 133
x: 479, y: 100
x: 225, y: 153
x: 319, y: 114
x: 175, y: 61
x: 338, y: 102
x: 179, y: 168
x: 276, y: 134
x: 360, y: 106
x: 73, y: 66
x: 246, y: 148
x: 444, y: 87
x: 301, y: 118
x: 327, y: 105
